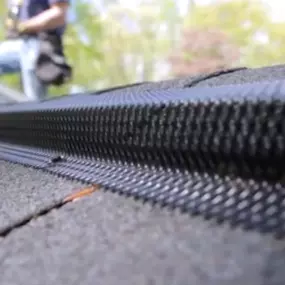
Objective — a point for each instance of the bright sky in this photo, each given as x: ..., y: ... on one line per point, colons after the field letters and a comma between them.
x: 277, y: 7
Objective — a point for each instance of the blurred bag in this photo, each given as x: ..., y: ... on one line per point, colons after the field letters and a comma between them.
x: 51, y: 65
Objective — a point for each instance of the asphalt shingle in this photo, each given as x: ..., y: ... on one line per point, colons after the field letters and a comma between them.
x: 24, y: 191
x: 270, y: 73
x: 107, y: 239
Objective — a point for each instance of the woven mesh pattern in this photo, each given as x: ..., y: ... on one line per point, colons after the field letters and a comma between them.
x: 249, y: 204
x: 221, y: 156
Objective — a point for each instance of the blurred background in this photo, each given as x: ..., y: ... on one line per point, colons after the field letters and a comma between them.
x: 115, y: 42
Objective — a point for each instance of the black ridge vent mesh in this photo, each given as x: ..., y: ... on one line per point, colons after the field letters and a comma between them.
x: 217, y: 152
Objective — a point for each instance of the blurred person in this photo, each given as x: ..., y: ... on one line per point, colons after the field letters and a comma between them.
x: 33, y: 45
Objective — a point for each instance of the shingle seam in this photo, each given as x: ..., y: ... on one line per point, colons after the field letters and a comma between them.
x: 24, y: 221
x: 213, y: 75
x: 196, y: 79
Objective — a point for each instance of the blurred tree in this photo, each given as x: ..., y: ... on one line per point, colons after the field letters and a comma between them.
x: 11, y: 80
x: 135, y: 42
x: 269, y: 49
x: 203, y: 50
x: 243, y: 21
x: 171, y: 18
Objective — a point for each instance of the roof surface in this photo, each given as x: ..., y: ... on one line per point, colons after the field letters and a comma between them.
x: 108, y: 239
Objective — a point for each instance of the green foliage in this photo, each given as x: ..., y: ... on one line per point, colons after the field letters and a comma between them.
x: 132, y: 39
x: 271, y: 50
x: 248, y: 25
x: 10, y: 80
x: 241, y: 19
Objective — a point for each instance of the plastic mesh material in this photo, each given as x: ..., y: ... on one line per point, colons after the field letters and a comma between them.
x: 217, y: 152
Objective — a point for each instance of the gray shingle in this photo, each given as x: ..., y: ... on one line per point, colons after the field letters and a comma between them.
x: 107, y: 239
x: 24, y: 191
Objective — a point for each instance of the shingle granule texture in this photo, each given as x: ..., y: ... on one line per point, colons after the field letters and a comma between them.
x: 24, y: 191
x: 223, y: 77
x: 106, y: 239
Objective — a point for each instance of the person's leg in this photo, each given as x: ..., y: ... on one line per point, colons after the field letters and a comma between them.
x: 33, y: 88
x: 10, y: 56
